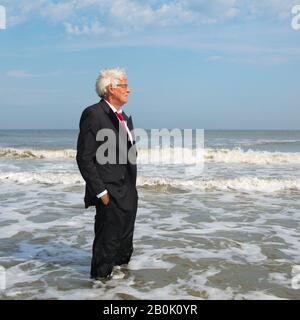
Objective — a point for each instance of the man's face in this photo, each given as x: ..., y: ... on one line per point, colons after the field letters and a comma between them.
x: 120, y: 93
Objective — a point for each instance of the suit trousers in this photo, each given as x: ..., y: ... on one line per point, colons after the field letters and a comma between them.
x: 113, y: 242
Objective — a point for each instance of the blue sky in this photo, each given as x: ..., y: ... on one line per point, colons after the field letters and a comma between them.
x: 223, y: 64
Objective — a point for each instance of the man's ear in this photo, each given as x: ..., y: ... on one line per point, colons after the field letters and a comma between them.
x: 109, y: 89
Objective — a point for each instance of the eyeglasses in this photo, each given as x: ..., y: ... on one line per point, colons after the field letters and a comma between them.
x: 123, y: 85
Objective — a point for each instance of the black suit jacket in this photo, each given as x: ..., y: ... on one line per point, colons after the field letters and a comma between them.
x: 118, y: 178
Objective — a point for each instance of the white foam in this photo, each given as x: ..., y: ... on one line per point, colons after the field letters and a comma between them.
x: 46, y: 177
x: 149, y: 261
x: 237, y: 155
x: 257, y: 295
x: 163, y: 155
x: 251, y: 157
x: 244, y: 183
x: 198, y: 282
x: 36, y: 153
x: 282, y: 279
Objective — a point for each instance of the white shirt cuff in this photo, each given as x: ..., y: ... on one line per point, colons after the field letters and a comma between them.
x: 102, y: 194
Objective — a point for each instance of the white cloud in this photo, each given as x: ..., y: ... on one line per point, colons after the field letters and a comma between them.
x: 279, y: 9
x: 131, y: 14
x: 94, y: 28
x: 170, y: 13
x: 109, y: 15
x: 19, y: 12
x: 59, y: 11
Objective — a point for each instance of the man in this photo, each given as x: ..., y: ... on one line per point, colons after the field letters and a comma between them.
x: 110, y: 181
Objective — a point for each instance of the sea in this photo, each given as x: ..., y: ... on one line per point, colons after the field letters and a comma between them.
x: 229, y: 229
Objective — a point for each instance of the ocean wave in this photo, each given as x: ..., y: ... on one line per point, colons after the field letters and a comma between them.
x: 244, y: 183
x: 237, y: 156
x: 42, y: 177
x: 164, y: 156
x: 36, y: 154
x: 275, y: 142
x: 251, y: 157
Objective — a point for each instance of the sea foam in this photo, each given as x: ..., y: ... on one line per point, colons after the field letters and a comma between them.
x: 157, y: 156
x: 243, y: 183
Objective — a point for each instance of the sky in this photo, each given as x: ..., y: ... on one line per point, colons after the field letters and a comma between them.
x: 220, y: 64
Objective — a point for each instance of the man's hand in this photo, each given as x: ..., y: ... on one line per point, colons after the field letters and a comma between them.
x: 105, y: 199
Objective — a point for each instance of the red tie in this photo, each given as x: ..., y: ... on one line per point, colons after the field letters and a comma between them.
x: 121, y: 118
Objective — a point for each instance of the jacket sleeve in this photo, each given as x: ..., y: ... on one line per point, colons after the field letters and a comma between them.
x: 86, y: 153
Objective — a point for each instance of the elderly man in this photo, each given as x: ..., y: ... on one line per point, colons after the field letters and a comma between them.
x: 110, y: 181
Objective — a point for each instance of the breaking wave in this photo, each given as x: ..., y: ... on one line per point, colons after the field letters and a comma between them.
x: 161, y: 156
x: 36, y: 154
x: 244, y: 183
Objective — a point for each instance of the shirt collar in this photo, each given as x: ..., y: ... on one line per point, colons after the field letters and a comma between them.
x: 113, y: 108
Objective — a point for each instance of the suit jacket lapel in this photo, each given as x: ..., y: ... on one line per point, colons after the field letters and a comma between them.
x: 113, y: 118
x: 130, y: 127
x: 115, y: 121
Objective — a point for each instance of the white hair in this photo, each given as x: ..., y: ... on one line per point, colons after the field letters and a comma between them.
x: 107, y: 77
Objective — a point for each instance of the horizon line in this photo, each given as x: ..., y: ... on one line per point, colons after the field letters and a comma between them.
x: 208, y: 129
